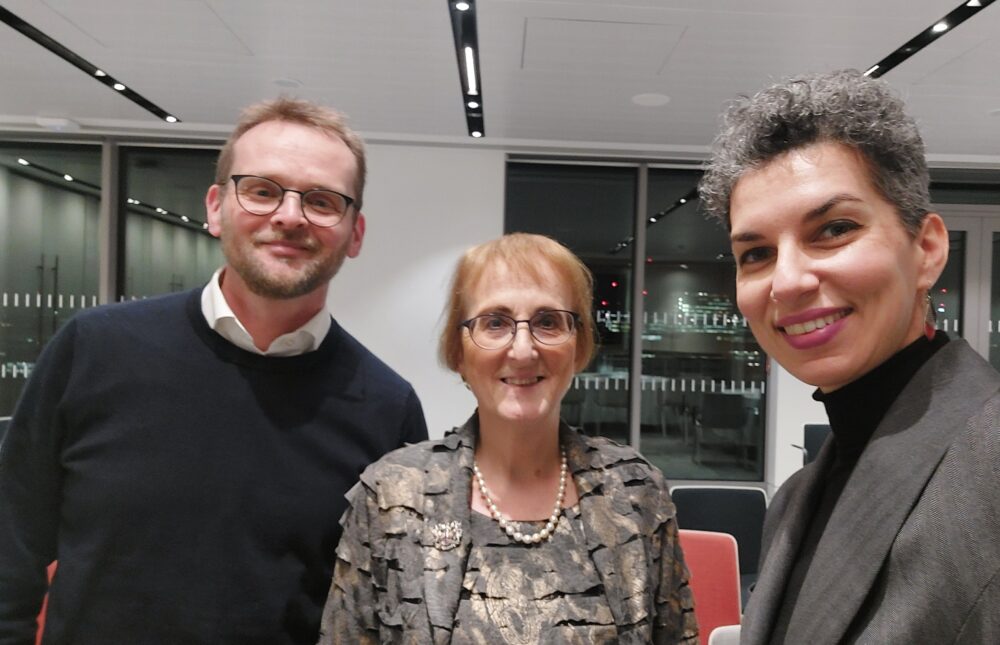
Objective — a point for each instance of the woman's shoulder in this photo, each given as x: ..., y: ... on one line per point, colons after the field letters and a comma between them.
x: 413, y: 463
x: 618, y: 461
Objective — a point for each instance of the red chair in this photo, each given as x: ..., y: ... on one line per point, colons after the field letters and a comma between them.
x: 713, y: 560
x: 45, y: 604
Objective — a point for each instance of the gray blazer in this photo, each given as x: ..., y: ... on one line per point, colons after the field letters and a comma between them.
x: 395, y: 583
x: 911, y: 553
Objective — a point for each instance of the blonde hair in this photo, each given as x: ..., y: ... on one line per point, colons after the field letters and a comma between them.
x: 324, y: 119
x: 525, y: 254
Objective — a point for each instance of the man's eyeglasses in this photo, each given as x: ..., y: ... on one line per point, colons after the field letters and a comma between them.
x: 496, y: 331
x: 262, y: 196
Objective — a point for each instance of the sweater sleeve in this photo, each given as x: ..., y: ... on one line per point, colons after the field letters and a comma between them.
x: 30, y: 487
x: 414, y: 428
x: 350, y: 614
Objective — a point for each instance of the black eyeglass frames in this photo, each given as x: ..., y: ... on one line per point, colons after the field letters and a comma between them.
x: 263, y: 196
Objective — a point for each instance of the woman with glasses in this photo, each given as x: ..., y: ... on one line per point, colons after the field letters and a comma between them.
x: 514, y: 528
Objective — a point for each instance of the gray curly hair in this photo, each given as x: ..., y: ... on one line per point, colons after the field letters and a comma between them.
x: 843, y: 106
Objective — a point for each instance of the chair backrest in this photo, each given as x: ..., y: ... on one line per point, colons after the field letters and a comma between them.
x: 814, y: 436
x: 715, y: 578
x: 736, y: 510
x: 725, y: 635
x: 45, y: 605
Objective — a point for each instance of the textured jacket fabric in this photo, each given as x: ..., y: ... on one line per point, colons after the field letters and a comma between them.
x: 190, y: 490
x: 911, y: 552
x: 392, y: 584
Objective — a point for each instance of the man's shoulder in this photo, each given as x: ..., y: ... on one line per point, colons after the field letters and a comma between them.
x: 126, y: 311
x: 376, y: 371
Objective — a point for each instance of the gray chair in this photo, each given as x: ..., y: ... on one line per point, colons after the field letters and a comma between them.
x: 814, y: 435
x: 736, y: 510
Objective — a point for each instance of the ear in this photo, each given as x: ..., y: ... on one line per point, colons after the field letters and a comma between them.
x: 932, y: 241
x: 357, y: 236
x: 213, y: 209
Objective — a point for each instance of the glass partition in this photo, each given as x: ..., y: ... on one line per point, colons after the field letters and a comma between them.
x: 49, y: 210
x: 167, y: 247
x: 590, y: 209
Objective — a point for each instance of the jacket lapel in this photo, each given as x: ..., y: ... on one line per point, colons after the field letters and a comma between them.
x: 886, y: 483
x: 781, y: 545
x: 446, y: 499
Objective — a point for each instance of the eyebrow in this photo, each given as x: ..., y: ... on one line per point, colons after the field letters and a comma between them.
x: 815, y: 213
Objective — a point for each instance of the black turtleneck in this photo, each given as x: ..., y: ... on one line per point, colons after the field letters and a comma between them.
x: 854, y: 410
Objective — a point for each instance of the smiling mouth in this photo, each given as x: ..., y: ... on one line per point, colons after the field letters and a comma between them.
x: 812, y: 325
x: 523, y: 381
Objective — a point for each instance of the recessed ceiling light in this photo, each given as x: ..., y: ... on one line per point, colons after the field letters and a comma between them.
x: 68, y: 177
x: 184, y: 218
x: 941, y: 26
x: 99, y: 72
x: 205, y: 225
x: 462, y: 6
x: 119, y: 87
x: 477, y: 133
x: 23, y: 162
x: 683, y: 200
x: 473, y: 104
x: 973, y: 3
x: 651, y: 99
x: 170, y: 118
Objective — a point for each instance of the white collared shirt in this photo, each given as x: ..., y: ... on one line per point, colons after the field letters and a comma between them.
x: 221, y: 318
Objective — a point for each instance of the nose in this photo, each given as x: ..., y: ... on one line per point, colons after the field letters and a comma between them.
x: 289, y: 212
x: 794, y: 275
x: 523, y: 345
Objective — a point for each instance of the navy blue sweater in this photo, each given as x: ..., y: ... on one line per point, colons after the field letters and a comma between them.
x: 191, y: 491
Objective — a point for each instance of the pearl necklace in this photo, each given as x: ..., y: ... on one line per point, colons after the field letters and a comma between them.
x: 505, y: 524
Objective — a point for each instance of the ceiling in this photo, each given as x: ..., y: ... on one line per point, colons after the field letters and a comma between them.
x: 557, y: 76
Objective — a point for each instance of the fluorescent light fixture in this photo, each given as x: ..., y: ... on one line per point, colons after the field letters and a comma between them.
x: 170, y: 118
x: 462, y: 6
x: 470, y: 71
x: 68, y: 177
x: 940, y: 27
x: 473, y: 104
x: 477, y: 133
x: 119, y: 87
x: 23, y: 162
x: 871, y: 69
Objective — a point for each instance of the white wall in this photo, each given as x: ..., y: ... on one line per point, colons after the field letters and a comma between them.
x: 789, y: 407
x: 424, y: 206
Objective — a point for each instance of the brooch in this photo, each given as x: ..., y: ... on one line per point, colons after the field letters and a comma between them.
x: 447, y: 535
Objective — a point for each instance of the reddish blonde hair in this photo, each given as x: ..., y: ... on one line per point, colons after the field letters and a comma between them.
x: 524, y: 254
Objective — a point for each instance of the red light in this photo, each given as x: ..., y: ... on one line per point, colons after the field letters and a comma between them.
x: 604, y: 303
x: 614, y: 283
x: 944, y: 291
x: 649, y: 260
x: 645, y: 293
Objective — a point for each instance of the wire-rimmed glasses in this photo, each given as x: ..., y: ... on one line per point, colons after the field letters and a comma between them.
x: 263, y: 196
x: 496, y: 331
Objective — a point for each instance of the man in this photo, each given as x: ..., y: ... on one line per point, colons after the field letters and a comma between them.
x: 185, y: 458
x: 890, y: 535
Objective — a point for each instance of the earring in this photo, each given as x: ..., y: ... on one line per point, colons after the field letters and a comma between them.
x: 930, y: 319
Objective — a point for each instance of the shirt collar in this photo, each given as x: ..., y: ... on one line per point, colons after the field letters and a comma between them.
x: 220, y: 317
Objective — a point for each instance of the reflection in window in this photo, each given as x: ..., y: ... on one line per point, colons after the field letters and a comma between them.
x: 167, y: 246
x: 702, y: 383
x: 49, y: 209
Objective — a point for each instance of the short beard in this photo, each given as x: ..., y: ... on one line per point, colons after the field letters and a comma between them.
x: 316, y: 273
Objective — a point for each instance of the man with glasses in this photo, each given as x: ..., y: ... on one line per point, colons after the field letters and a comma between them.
x: 185, y: 458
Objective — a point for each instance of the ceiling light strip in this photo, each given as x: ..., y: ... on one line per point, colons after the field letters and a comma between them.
x: 690, y: 196
x: 83, y: 64
x: 957, y: 16
x: 463, y: 28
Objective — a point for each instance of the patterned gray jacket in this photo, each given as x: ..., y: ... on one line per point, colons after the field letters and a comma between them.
x: 396, y: 582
